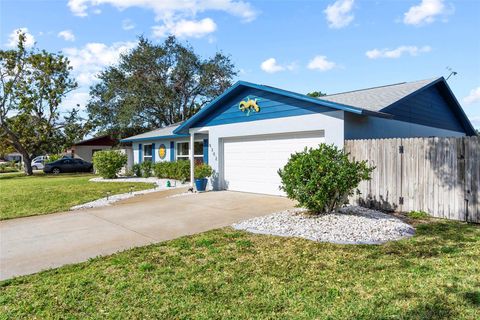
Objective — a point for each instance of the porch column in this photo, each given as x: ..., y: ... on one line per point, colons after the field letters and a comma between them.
x: 192, y: 159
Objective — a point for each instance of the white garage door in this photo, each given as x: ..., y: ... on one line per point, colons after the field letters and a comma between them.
x: 251, y: 164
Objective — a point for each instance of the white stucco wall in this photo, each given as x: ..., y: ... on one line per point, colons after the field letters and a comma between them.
x: 157, y: 146
x: 85, y: 152
x: 330, y: 122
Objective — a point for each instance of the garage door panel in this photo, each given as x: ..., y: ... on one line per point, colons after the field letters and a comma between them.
x: 251, y: 164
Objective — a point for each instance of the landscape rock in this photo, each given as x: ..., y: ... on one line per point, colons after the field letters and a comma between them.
x: 352, y: 225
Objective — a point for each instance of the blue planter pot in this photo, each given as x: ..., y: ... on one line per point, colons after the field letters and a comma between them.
x: 201, y: 184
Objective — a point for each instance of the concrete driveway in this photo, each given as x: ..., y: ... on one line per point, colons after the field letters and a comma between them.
x: 29, y: 245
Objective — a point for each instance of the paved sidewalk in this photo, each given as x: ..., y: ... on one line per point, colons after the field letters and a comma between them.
x: 32, y: 244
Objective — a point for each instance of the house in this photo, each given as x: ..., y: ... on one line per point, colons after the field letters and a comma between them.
x: 248, y: 133
x: 86, y: 148
x: 14, y: 156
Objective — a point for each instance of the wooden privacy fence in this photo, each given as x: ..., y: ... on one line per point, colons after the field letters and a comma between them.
x: 438, y: 175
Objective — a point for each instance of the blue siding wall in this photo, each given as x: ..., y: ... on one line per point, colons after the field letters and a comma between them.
x: 271, y: 106
x: 366, y: 127
x: 172, y: 151
x: 427, y: 107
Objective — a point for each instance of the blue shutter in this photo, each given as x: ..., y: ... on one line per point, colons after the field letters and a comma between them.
x: 153, y: 152
x: 140, y: 156
x: 172, y: 151
x: 205, y: 151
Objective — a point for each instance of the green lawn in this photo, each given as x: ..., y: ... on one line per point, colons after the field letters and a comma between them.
x: 22, y: 196
x: 227, y: 274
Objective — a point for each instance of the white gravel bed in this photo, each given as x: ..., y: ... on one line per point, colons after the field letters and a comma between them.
x: 353, y: 225
x: 160, y: 184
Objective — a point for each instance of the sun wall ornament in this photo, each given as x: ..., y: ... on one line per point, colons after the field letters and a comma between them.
x: 248, y: 105
x: 162, y: 151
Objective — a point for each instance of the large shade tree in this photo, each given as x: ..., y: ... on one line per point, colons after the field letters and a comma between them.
x: 155, y: 85
x: 32, y: 86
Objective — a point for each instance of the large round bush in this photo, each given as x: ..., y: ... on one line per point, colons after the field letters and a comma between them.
x: 108, y: 163
x: 322, y: 179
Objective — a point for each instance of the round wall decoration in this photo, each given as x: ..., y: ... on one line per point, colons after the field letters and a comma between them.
x: 162, y: 151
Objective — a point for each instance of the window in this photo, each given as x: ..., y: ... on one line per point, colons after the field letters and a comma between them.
x: 183, y: 151
x: 147, y: 152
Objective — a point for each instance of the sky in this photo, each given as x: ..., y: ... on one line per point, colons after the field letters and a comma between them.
x: 302, y: 46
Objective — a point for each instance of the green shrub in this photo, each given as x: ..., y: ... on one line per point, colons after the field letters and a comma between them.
x: 8, y: 167
x: 418, y: 215
x: 137, y: 170
x: 322, y: 179
x: 108, y: 163
x: 179, y: 170
x: 182, y: 170
x: 128, y: 173
x: 203, y: 171
x: 147, y: 168
x: 161, y: 170
x: 54, y: 157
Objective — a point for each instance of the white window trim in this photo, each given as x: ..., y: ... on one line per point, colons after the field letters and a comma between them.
x: 187, y: 157
x: 143, y: 152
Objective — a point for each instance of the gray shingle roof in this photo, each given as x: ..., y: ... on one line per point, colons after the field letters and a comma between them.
x: 161, y: 132
x: 377, y: 98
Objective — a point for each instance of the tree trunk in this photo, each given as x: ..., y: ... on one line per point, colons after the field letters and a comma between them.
x: 27, y: 164
x: 27, y: 161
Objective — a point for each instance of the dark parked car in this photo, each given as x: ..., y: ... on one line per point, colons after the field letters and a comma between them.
x: 68, y: 165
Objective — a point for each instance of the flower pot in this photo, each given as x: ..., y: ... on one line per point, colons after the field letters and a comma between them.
x: 201, y: 184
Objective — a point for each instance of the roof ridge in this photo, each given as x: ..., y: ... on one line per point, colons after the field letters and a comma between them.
x: 377, y: 87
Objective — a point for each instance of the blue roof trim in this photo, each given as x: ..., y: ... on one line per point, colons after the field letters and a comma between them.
x: 190, y: 122
x: 172, y: 136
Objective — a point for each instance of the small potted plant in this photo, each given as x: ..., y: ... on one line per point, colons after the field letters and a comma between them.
x: 202, y: 172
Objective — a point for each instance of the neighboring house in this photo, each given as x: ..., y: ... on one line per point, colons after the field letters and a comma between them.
x: 86, y: 148
x: 248, y: 133
x: 14, y: 156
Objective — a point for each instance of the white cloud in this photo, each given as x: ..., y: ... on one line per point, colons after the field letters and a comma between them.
x: 475, y: 121
x: 76, y: 99
x: 321, y: 63
x: 128, y: 24
x: 473, y: 96
x: 339, y: 14
x: 272, y: 66
x: 89, y: 60
x: 426, y: 12
x: 67, y: 35
x: 185, y: 28
x: 168, y: 9
x: 13, y: 38
x: 397, y: 52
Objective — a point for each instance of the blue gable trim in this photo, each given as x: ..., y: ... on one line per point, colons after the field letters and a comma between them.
x: 172, y: 151
x: 434, y: 105
x: 241, y: 89
x: 205, y: 151
x: 173, y: 136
